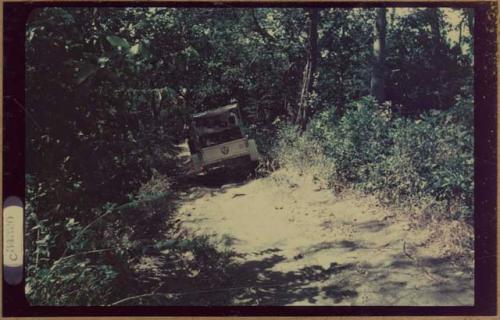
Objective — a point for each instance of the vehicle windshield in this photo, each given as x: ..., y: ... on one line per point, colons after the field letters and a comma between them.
x: 215, y: 129
x: 216, y: 138
x: 216, y: 123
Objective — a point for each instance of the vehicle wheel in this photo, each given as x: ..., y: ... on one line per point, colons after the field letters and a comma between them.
x: 250, y: 168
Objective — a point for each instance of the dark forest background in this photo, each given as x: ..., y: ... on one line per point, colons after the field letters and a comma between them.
x: 378, y: 99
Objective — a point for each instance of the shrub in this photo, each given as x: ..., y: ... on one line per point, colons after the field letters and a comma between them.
x: 355, y: 141
x: 402, y: 160
x: 122, y: 255
x: 97, y: 253
x: 432, y: 155
x: 302, y: 153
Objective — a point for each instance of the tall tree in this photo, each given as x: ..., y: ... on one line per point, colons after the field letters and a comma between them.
x: 435, y: 23
x: 469, y: 13
x: 437, y: 54
x: 309, y: 69
x: 377, y: 85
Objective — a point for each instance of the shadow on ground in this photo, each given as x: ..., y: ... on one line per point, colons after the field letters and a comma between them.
x: 192, y: 187
x: 256, y: 282
x: 216, y: 178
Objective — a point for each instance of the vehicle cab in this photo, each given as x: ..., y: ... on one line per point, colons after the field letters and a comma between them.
x: 216, y: 140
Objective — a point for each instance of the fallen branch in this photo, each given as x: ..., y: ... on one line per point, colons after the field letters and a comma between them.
x: 148, y: 295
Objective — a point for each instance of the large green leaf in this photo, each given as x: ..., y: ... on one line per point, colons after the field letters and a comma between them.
x: 118, y: 42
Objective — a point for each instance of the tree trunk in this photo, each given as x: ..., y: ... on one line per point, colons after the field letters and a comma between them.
x: 460, y: 27
x: 377, y: 84
x: 304, y: 111
x: 435, y: 29
x: 470, y: 19
x: 470, y: 23
x: 437, y: 52
x: 393, y: 17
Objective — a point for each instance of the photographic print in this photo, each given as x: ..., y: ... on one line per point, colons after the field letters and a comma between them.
x: 249, y: 156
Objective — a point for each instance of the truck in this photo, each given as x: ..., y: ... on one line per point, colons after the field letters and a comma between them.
x: 216, y: 140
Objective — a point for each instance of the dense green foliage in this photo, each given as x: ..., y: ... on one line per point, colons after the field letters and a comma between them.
x: 401, y: 160
x: 110, y: 90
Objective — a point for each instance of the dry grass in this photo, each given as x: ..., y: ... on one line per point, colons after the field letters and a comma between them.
x: 158, y: 184
x: 301, y: 155
x: 440, y: 236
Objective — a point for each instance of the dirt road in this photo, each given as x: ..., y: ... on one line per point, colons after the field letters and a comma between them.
x: 300, y: 245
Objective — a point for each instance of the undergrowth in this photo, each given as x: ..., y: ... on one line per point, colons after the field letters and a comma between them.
x: 421, y: 166
x: 131, y: 254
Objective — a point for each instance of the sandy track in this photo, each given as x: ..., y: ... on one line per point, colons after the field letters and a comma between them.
x: 299, y: 245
